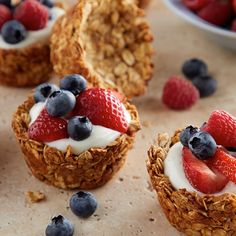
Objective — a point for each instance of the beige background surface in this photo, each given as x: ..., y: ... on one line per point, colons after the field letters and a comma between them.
x: 127, y: 206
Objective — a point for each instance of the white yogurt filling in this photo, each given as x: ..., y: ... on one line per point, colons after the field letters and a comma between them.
x: 173, y: 166
x: 99, y: 138
x: 37, y: 35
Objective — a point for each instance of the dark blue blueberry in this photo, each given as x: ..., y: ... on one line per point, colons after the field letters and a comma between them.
x: 186, y: 134
x: 74, y: 83
x: 206, y: 85
x: 194, y: 67
x: 6, y: 3
x: 13, y: 32
x: 59, y: 226
x: 60, y: 102
x: 79, y: 128
x: 43, y: 91
x: 83, y: 204
x: 202, y: 145
x: 47, y: 3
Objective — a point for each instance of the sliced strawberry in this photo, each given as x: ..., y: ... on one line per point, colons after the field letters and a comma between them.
x: 120, y: 96
x: 200, y: 176
x: 102, y: 108
x: 222, y: 127
x: 47, y: 128
x: 224, y: 163
x: 195, y: 5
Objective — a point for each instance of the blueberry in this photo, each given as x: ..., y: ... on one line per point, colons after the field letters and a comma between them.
x: 83, y: 204
x: 202, y: 145
x: 6, y: 3
x: 74, y: 83
x: 60, y: 102
x: 194, y: 67
x: 13, y: 32
x: 79, y: 128
x: 43, y: 91
x: 47, y: 3
x: 206, y: 85
x: 59, y: 226
x: 186, y: 134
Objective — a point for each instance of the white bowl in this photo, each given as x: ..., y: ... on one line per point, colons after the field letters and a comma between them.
x: 225, y: 37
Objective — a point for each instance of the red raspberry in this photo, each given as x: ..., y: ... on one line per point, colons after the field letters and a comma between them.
x: 233, y: 27
x: 195, y: 5
x: 217, y: 12
x: 32, y: 14
x: 179, y: 93
x: 5, y: 15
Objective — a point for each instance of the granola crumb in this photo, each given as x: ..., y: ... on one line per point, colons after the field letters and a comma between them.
x: 35, y: 196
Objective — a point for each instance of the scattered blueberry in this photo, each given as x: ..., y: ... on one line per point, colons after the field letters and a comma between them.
x: 206, y: 85
x: 59, y: 226
x: 74, y: 83
x: 6, y: 3
x: 13, y: 32
x: 202, y: 145
x: 83, y: 204
x: 60, y: 102
x: 194, y: 67
x: 186, y: 134
x: 47, y: 3
x: 43, y: 91
x: 79, y: 128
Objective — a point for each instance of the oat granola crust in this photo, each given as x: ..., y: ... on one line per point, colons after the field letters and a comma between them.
x: 189, y: 212
x: 108, y: 42
x: 143, y: 3
x: 90, y: 169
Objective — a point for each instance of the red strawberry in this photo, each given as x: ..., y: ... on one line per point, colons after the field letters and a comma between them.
x: 32, y: 14
x: 222, y: 127
x: 120, y: 96
x: 233, y: 27
x: 200, y: 176
x: 217, y: 12
x: 195, y: 5
x: 47, y: 128
x: 234, y: 5
x: 5, y: 15
x: 224, y: 163
x: 179, y: 93
x: 102, y: 108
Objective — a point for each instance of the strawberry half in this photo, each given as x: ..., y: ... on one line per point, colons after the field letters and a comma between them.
x: 200, y: 176
x: 47, y: 128
x: 102, y: 108
x: 224, y: 163
x: 222, y: 127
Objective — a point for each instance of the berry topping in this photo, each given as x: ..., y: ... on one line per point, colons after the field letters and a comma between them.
x: 200, y: 176
x: 206, y: 85
x: 202, y: 145
x: 59, y: 226
x: 179, y: 94
x: 218, y: 12
x: 83, y: 204
x: 43, y: 91
x: 79, y: 128
x: 234, y: 5
x: 47, y: 128
x: 13, y: 32
x: 32, y: 14
x: 102, y: 108
x: 222, y: 127
x: 47, y: 3
x: 60, y: 102
x: 74, y: 83
x: 186, y: 134
x: 233, y: 27
x: 195, y: 5
x: 194, y: 67
x: 7, y: 3
x: 224, y: 163
x: 5, y: 15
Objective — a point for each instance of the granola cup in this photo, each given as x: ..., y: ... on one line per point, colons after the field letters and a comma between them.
x: 189, y: 212
x: 88, y: 170
x: 108, y: 42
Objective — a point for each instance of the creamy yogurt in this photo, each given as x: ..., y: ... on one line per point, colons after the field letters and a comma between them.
x: 99, y: 138
x: 37, y: 35
x: 173, y: 166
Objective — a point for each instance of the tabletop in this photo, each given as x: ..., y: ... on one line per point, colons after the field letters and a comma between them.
x: 126, y: 205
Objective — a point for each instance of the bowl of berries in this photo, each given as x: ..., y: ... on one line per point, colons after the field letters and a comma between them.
x: 217, y: 18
